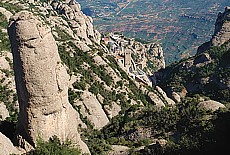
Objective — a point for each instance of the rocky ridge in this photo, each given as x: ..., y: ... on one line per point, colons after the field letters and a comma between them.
x: 222, y: 28
x: 98, y: 88
x: 80, y: 24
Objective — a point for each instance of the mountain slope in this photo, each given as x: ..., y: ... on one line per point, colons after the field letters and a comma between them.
x: 99, y: 88
x: 117, y: 112
x: 208, y: 71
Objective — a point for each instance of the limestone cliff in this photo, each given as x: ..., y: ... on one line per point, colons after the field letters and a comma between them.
x: 222, y: 28
x: 221, y: 32
x: 41, y: 82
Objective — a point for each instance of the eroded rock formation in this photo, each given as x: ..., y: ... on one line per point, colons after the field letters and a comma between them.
x: 221, y: 32
x: 41, y: 82
x: 211, y: 105
x: 222, y: 28
x: 79, y: 22
x: 92, y: 109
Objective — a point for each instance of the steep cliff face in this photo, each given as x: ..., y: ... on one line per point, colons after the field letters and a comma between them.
x: 222, y: 28
x: 74, y: 34
x: 97, y: 88
x: 221, y: 33
x: 41, y: 82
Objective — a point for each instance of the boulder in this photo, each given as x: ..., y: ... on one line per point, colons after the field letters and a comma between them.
x: 7, y: 146
x: 119, y: 150
x: 176, y: 97
x: 92, y: 109
x: 155, y: 99
x: 168, y: 100
x: 4, y: 113
x: 42, y: 83
x: 211, y: 105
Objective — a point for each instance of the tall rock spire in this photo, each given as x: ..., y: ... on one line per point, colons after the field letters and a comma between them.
x: 41, y: 82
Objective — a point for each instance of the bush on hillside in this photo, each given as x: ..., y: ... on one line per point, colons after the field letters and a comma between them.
x: 54, y: 147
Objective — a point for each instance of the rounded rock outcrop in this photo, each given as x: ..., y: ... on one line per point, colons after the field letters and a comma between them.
x: 211, y: 105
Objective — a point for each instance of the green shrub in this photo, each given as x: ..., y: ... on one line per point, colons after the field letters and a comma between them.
x: 5, y: 95
x: 96, y: 142
x: 72, y: 95
x: 4, y: 43
x: 80, y: 85
x: 3, y: 21
x: 55, y: 147
x: 10, y: 7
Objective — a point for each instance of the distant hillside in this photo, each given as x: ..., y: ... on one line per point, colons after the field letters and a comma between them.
x: 208, y: 72
x: 205, y: 74
x: 180, y: 25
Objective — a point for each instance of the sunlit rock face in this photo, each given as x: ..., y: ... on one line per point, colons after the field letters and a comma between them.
x: 41, y: 82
